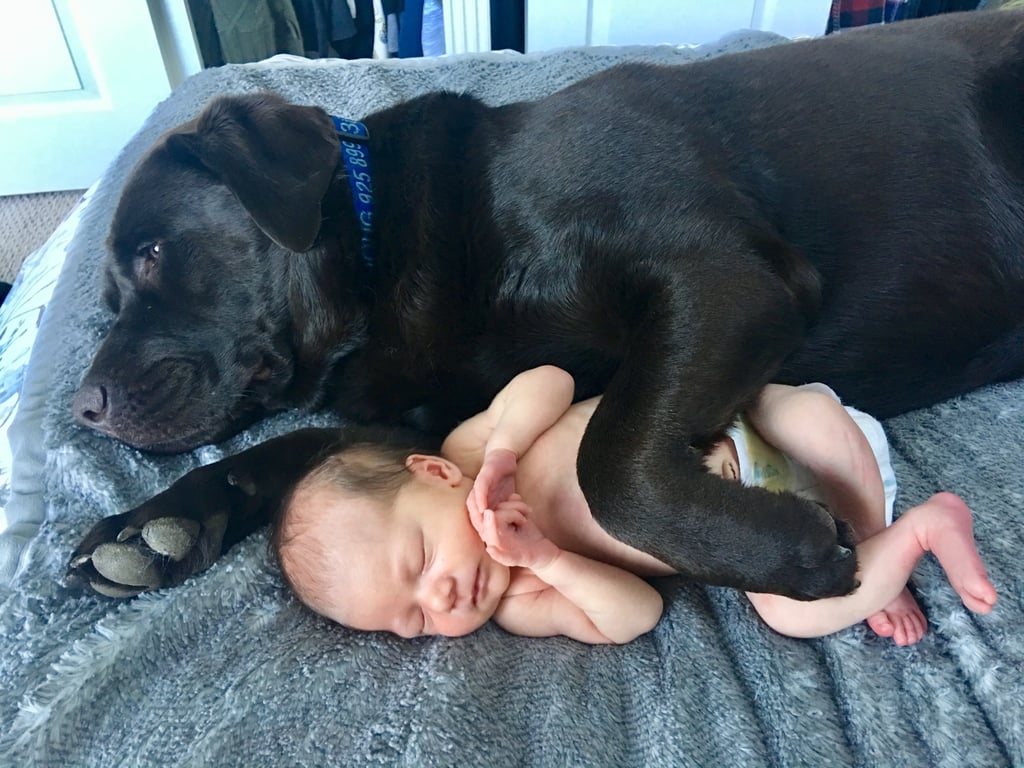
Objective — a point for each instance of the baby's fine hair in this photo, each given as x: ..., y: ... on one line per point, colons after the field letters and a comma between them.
x: 365, y: 463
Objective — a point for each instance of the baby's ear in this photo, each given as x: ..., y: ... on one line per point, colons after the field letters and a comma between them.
x: 434, y: 469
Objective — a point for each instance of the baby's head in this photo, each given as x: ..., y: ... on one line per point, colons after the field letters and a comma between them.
x: 377, y: 537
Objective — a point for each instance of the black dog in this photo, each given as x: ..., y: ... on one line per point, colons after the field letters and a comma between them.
x: 846, y: 210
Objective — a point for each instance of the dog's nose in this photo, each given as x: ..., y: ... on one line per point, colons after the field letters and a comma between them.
x: 90, y: 405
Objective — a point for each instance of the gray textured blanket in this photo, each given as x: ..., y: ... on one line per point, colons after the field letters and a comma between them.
x: 229, y: 670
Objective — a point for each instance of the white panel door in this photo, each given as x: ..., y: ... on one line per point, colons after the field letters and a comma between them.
x: 77, y: 78
x: 564, y: 23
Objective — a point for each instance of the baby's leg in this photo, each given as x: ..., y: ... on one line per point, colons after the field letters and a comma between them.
x: 902, y: 618
x: 942, y: 525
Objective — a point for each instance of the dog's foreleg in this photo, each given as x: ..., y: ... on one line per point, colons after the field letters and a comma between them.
x: 184, y: 529
x: 694, y: 362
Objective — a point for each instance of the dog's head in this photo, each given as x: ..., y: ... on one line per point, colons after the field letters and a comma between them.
x: 215, y: 272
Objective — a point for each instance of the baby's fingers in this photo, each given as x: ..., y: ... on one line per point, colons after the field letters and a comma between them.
x: 476, y: 515
x: 509, y: 516
x: 490, y: 533
x: 501, y: 556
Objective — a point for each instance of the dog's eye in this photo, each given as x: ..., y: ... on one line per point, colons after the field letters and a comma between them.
x: 150, y: 251
x: 148, y: 259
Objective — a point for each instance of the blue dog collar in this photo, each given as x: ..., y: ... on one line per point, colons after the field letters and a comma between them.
x: 355, y: 151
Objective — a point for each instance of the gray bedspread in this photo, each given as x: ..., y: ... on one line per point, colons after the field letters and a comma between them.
x: 229, y: 670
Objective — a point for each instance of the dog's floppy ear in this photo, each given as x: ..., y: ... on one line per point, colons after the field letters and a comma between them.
x: 278, y: 158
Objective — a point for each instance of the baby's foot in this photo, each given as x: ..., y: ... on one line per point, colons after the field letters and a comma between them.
x: 902, y: 620
x: 947, y: 532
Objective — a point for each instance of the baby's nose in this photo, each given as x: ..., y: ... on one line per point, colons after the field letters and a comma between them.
x: 443, y: 593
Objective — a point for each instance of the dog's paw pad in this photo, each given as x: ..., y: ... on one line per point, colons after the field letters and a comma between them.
x: 171, y: 536
x: 108, y: 589
x: 126, y: 565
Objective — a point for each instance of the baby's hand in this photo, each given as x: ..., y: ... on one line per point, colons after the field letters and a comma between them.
x: 513, y: 539
x: 495, y: 483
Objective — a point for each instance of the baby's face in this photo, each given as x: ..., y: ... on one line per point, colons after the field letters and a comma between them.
x: 420, y: 569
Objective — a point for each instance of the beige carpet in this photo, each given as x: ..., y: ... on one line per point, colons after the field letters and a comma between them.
x: 26, y: 221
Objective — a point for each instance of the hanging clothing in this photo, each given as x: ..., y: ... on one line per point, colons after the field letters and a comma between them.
x: 321, y: 22
x: 244, y: 31
x: 410, y: 30
x: 360, y: 44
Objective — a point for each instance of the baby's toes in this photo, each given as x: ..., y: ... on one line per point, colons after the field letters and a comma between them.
x: 908, y: 630
x: 900, y: 635
x: 880, y: 624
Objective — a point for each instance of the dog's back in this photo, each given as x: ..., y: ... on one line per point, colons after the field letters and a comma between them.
x: 895, y: 170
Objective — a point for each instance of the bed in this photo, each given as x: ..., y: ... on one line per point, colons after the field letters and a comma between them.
x: 228, y: 669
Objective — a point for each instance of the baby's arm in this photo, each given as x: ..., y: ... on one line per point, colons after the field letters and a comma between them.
x: 520, y: 413
x: 586, y: 600
x: 488, y: 445
x: 815, y: 430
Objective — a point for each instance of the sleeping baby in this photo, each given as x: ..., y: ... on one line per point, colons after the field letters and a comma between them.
x: 383, y: 535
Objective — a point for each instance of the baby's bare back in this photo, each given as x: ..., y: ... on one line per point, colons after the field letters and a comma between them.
x: 546, y: 479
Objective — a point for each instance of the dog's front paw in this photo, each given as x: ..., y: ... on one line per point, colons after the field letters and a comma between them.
x: 145, y: 549
x: 183, y: 530
x: 825, y: 564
